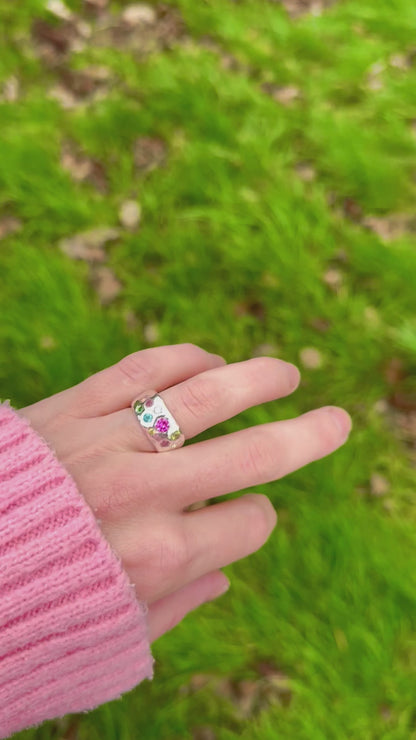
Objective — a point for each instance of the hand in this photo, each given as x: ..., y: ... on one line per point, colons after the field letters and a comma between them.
x: 140, y: 496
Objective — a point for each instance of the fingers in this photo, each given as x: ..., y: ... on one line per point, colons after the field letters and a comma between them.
x: 223, y: 533
x: 206, y: 399
x: 115, y: 387
x: 245, y: 458
x: 167, y: 612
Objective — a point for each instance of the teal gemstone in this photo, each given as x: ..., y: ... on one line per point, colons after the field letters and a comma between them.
x: 147, y: 417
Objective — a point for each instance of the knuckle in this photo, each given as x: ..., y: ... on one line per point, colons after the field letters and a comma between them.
x: 137, y: 366
x: 258, y: 457
x: 198, y: 397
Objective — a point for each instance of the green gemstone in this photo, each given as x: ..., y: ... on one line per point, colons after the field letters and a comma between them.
x: 175, y: 435
x: 138, y: 407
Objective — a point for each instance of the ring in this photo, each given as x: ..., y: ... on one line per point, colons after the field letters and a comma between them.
x: 155, y: 418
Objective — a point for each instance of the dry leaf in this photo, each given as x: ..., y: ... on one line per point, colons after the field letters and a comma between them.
x: 130, y: 214
x: 64, y: 97
x: 105, y: 283
x: 9, y: 225
x: 151, y: 333
x: 96, y: 5
x: 305, y: 171
x: 296, y: 8
x: 284, y: 95
x: 379, y: 485
x: 394, y: 372
x: 265, y: 349
x: 352, y: 209
x: 334, y: 279
x: 59, y: 9
x: 391, y: 227
x: 83, y: 168
x: 89, y: 245
x: 400, y: 61
x: 139, y: 14
x: 204, y: 733
x: 10, y: 91
x: 311, y: 358
x: 149, y: 152
x: 131, y: 320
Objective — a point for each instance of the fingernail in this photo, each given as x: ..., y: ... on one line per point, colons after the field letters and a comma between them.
x: 294, y: 375
x: 342, y: 419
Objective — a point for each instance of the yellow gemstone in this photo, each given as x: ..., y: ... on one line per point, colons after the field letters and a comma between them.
x: 175, y: 435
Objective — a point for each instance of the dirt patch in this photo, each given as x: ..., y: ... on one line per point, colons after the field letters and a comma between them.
x: 297, y: 8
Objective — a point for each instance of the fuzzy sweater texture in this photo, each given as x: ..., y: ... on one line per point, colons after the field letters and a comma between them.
x: 73, y: 634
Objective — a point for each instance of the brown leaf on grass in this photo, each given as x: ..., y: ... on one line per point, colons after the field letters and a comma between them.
x: 204, y: 733
x: 53, y: 41
x: 89, y: 245
x: 296, y: 8
x: 59, y: 9
x: 379, y: 485
x: 404, y: 425
x: 320, y: 324
x: 266, y: 349
x: 149, y: 152
x: 9, y: 225
x: 10, y: 90
x: 334, y: 279
x: 139, y: 13
x: 251, y: 307
x: 130, y: 214
x: 306, y: 171
x: 391, y: 227
x: 285, y: 95
x: 403, y: 401
x: 352, y: 209
x: 151, y: 332
x: 105, y: 283
x: 251, y: 696
x: 86, y: 83
x: 140, y: 28
x: 96, y: 6
x: 394, y: 371
x: 311, y: 358
x: 83, y: 168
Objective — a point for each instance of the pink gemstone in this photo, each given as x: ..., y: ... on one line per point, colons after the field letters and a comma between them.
x: 164, y: 443
x: 162, y: 425
x: 149, y: 402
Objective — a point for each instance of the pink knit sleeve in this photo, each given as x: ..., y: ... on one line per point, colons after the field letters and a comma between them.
x: 73, y: 635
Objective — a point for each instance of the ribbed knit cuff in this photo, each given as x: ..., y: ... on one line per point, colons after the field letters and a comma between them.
x: 72, y: 633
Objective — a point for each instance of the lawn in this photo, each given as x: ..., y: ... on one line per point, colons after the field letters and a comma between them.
x: 241, y: 175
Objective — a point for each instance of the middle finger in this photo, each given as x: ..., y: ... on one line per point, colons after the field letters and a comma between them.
x: 211, y: 397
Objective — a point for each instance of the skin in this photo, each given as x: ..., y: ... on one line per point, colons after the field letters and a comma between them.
x: 140, y: 497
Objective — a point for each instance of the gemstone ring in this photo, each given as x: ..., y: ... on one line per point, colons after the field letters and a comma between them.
x: 156, y: 420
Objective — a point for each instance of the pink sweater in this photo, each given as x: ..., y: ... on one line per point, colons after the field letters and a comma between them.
x: 73, y: 634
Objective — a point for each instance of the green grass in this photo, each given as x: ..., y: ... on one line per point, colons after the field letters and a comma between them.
x: 231, y: 254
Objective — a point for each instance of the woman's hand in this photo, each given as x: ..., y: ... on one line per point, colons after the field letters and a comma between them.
x: 140, y: 497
